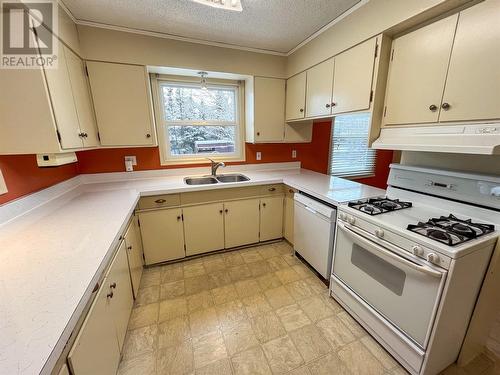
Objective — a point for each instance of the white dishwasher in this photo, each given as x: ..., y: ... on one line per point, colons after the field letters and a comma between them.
x: 314, y: 229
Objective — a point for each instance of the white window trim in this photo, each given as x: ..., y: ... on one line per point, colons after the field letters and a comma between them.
x: 165, y: 157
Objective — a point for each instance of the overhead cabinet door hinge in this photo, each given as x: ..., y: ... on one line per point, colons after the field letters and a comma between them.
x: 392, y: 55
x: 58, y: 136
x: 98, y: 136
x: 371, y: 96
x: 86, y: 70
x: 385, y: 110
x: 138, y: 223
x: 376, y: 50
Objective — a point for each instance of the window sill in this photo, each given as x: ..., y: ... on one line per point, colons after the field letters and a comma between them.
x: 357, y: 177
x: 201, y: 160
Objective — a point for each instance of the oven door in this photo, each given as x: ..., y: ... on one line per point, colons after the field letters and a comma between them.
x: 403, y: 289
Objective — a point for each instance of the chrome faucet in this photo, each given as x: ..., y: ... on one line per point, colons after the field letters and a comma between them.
x: 215, y: 166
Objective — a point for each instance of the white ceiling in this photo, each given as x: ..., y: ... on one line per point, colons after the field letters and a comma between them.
x: 272, y: 25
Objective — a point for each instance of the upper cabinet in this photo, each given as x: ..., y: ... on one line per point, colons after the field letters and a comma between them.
x: 319, y: 87
x: 54, y: 115
x: 123, y: 106
x: 417, y: 73
x: 295, y: 97
x: 341, y: 84
x: 472, y: 89
x: 447, y: 71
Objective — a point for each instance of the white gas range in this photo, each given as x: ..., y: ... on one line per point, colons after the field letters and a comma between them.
x: 409, y: 268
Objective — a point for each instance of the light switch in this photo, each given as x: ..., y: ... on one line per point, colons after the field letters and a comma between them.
x: 3, y: 186
x: 258, y: 155
x: 294, y: 154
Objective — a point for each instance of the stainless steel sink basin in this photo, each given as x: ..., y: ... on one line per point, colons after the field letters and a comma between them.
x: 200, y: 180
x: 232, y: 178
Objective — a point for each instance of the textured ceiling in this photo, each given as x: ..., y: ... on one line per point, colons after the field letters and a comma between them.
x: 274, y: 25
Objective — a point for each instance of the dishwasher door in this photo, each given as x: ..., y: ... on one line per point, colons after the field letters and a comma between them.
x: 314, y: 227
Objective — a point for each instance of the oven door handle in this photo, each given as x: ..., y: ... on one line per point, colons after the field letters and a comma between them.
x: 372, y: 248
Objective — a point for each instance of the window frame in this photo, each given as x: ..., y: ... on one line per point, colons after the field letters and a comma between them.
x: 166, y: 158
x: 354, y: 176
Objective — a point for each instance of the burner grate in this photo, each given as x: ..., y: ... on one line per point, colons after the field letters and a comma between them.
x: 377, y: 206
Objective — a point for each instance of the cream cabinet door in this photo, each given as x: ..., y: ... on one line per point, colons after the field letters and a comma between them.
x: 319, y: 89
x: 63, y: 103
x: 204, y: 228
x: 295, y: 97
x: 269, y: 109
x: 120, y: 286
x: 271, y: 218
x: 81, y: 96
x: 288, y: 216
x: 352, y: 80
x: 417, y: 73
x: 134, y: 254
x: 241, y: 222
x: 95, y: 350
x: 162, y: 235
x: 122, y: 104
x: 473, y: 84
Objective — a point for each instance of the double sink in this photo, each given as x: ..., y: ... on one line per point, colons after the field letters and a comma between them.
x: 207, y: 180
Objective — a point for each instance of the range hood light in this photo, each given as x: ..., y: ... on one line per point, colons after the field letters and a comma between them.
x: 222, y: 4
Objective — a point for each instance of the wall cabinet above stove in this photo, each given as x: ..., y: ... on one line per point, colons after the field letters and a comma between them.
x: 447, y: 71
x: 47, y: 110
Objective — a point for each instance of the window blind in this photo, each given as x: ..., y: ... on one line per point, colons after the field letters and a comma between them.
x: 349, y: 152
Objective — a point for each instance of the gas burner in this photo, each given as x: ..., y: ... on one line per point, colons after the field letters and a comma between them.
x: 376, y: 206
x: 450, y: 230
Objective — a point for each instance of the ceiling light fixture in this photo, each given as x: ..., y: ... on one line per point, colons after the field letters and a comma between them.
x: 222, y: 4
x: 203, y: 81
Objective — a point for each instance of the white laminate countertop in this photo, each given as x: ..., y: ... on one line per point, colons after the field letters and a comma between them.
x: 55, y: 244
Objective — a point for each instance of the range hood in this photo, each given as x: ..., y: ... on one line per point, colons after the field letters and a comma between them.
x: 477, y: 138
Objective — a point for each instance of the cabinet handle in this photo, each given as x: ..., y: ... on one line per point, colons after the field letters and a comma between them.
x: 334, y: 104
x: 327, y: 105
x: 148, y: 135
x: 109, y: 295
x: 301, y: 110
x: 433, y: 108
x: 113, y: 286
x: 446, y: 106
x: 160, y: 201
x: 129, y: 247
x: 271, y: 189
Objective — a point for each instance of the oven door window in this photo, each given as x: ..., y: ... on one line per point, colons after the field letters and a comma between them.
x: 403, y: 292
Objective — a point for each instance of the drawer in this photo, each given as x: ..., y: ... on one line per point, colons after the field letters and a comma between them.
x: 159, y: 201
x: 218, y: 195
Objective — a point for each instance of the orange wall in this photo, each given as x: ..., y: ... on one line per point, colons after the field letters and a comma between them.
x: 23, y: 176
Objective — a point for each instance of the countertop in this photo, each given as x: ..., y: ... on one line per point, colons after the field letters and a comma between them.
x: 54, y: 246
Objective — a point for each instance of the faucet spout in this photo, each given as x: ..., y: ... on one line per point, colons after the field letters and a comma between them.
x: 215, y: 165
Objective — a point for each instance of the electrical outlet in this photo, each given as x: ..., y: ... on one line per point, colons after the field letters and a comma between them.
x: 3, y: 186
x: 258, y: 155
x: 294, y: 154
x: 133, y: 159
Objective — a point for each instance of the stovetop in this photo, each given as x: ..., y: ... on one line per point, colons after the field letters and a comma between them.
x: 451, y: 230
x: 377, y: 206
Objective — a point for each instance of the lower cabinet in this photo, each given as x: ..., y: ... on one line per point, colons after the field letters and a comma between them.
x: 204, y: 228
x: 241, y: 222
x: 271, y: 218
x: 97, y: 347
x: 162, y: 235
x: 134, y: 254
x: 288, y: 215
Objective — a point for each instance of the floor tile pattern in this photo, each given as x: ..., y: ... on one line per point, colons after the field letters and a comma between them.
x: 258, y: 310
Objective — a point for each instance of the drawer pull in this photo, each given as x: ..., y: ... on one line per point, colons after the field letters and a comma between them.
x: 263, y: 205
x: 272, y: 189
x: 110, y: 295
x: 113, y: 286
x: 160, y: 201
x: 129, y: 247
x: 290, y: 191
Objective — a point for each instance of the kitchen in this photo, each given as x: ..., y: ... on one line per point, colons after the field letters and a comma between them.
x: 346, y: 220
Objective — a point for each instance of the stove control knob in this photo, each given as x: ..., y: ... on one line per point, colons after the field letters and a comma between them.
x: 379, y: 233
x: 342, y: 216
x: 351, y: 220
x: 417, y: 250
x: 434, y: 258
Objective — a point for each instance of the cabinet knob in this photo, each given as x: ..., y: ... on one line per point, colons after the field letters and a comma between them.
x: 290, y: 191
x: 178, y: 218
x: 113, y: 286
x: 433, y: 107
x: 258, y: 133
x: 226, y: 210
x: 129, y: 247
x: 272, y: 189
x: 109, y: 295
x: 263, y: 205
x: 148, y: 135
x: 327, y: 105
x: 334, y: 104
x: 446, y: 106
x: 160, y: 201
x: 220, y: 211
x: 301, y: 110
